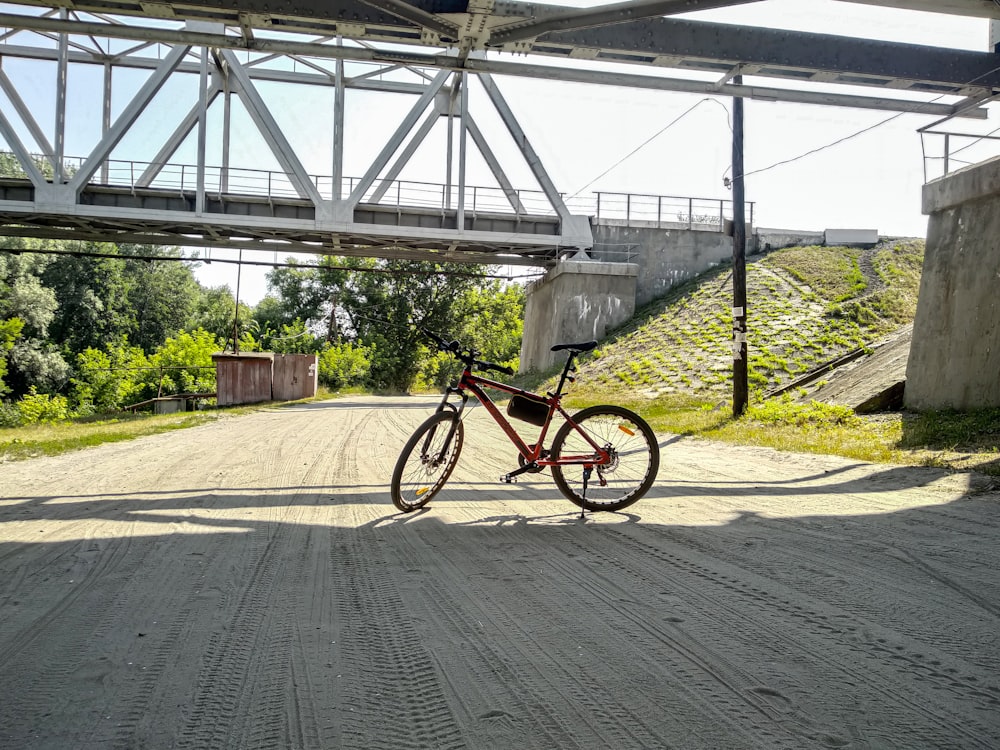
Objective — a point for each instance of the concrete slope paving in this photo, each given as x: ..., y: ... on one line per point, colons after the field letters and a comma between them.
x: 873, y: 382
x: 248, y: 584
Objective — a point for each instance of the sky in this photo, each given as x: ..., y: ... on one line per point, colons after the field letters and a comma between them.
x: 589, y: 136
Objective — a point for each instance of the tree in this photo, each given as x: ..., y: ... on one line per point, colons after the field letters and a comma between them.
x: 10, y: 330
x: 183, y: 364
x: 31, y: 360
x: 383, y: 309
x: 94, y: 308
x: 110, y: 379
x: 215, y: 311
x: 304, y: 293
x: 163, y: 294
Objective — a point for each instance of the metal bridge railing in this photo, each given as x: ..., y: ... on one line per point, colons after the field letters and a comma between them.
x: 707, y: 214
x: 667, y: 211
x: 946, y: 151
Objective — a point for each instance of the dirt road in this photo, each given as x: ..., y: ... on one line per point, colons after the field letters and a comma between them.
x: 248, y: 584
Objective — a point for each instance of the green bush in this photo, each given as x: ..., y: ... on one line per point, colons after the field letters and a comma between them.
x: 343, y: 365
x: 42, y: 407
x: 10, y: 415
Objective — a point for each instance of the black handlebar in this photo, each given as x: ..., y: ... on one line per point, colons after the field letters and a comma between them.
x: 467, y: 356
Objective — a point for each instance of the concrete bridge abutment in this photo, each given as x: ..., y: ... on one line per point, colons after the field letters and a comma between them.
x: 578, y: 300
x: 954, y: 359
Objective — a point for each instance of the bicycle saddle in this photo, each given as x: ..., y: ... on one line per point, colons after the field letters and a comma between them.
x: 586, y: 346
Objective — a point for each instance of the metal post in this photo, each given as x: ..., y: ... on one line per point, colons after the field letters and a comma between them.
x: 451, y: 141
x: 61, y: 75
x: 236, y: 318
x: 740, y: 373
x: 227, y: 108
x: 947, y: 150
x: 106, y: 118
x: 690, y: 212
x: 199, y: 196
x: 463, y: 104
x: 338, y: 128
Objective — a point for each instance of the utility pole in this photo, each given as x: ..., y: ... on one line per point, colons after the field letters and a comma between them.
x: 740, y: 383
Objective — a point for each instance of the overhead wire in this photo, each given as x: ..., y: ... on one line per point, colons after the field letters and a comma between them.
x: 866, y: 130
x: 649, y: 140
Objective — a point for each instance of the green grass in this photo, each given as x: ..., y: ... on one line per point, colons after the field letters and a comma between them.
x: 967, y: 441
x: 51, y: 439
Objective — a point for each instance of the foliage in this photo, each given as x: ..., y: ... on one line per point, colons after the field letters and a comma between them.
x: 70, y: 302
x: 293, y: 338
x: 162, y: 295
x: 10, y: 329
x: 108, y: 380
x: 813, y: 413
x: 215, y: 311
x: 344, y: 365
x: 183, y: 364
x: 42, y: 407
x: 377, y: 308
x: 491, y: 321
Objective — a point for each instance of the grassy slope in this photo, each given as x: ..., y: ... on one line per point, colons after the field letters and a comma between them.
x: 673, y: 361
x: 805, y: 306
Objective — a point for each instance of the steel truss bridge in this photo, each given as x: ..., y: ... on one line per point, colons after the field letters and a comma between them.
x: 198, y: 59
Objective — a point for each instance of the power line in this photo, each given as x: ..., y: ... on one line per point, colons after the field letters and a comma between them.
x: 863, y: 130
x: 652, y: 138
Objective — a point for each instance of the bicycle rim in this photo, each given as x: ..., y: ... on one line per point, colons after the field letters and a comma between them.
x: 634, y: 463
x: 422, y: 467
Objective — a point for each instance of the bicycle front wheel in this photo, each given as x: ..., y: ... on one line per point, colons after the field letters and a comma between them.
x: 426, y: 461
x: 635, y: 458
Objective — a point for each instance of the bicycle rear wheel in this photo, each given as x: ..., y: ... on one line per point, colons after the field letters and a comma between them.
x: 426, y: 461
x: 635, y: 458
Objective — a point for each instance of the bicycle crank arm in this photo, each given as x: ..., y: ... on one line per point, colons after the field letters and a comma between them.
x: 511, y: 478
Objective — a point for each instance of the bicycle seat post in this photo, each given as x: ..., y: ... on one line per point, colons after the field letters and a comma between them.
x: 567, y: 369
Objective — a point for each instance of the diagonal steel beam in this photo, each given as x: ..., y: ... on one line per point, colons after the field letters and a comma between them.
x: 270, y: 130
x: 604, y: 15
x: 494, y: 164
x: 27, y: 164
x: 398, y: 137
x: 27, y: 118
x: 176, y: 138
x: 521, y: 140
x: 128, y: 117
x: 425, y: 128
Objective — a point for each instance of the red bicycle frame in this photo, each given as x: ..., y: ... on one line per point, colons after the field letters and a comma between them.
x: 533, y: 454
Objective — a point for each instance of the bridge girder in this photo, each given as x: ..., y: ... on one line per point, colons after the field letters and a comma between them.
x: 398, y: 35
x: 620, y: 33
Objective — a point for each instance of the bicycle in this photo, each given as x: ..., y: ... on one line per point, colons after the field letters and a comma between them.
x: 611, y: 442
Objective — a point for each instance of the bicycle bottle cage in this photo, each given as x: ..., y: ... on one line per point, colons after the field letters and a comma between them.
x: 528, y: 410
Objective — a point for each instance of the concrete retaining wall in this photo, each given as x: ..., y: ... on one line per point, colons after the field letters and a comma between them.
x: 575, y: 301
x: 666, y: 257
x: 954, y: 359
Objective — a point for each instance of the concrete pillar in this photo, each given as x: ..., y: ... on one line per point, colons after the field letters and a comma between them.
x: 578, y: 300
x: 955, y: 355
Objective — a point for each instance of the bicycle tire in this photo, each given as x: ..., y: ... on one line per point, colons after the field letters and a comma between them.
x: 420, y: 473
x: 635, y: 458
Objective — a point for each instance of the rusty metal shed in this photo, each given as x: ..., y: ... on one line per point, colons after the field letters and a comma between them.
x: 243, y: 378
x: 294, y: 376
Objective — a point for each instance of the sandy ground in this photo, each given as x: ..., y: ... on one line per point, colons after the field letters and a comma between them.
x: 248, y: 584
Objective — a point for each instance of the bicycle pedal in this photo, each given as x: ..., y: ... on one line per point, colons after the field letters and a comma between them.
x: 508, y: 479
